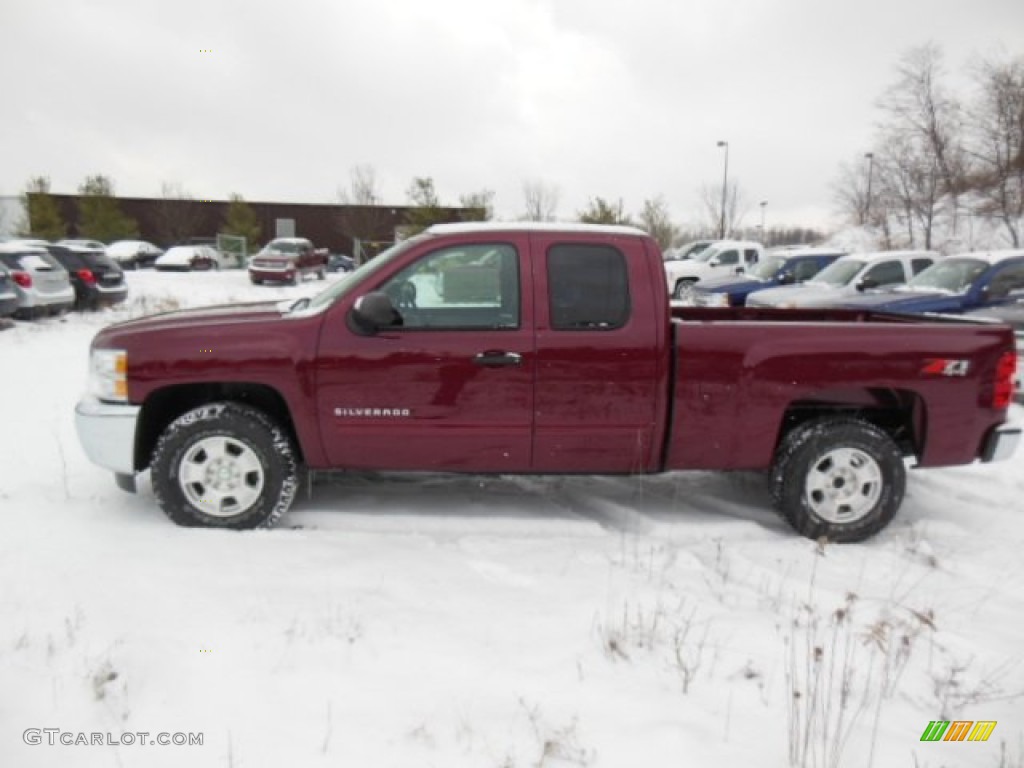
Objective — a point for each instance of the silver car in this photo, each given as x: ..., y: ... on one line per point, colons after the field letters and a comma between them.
x: 8, y: 296
x: 41, y: 283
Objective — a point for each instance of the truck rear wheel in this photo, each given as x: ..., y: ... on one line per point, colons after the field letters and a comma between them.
x: 840, y: 478
x: 224, y: 465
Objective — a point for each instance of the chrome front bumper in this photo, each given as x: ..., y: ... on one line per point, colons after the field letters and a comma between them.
x: 107, y: 433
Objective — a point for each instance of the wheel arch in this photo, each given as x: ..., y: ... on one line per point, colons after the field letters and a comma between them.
x: 164, y: 405
x: 900, y: 413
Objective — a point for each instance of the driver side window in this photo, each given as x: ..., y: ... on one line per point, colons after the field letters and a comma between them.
x: 462, y: 287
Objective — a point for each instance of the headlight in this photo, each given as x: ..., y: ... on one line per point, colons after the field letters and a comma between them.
x: 714, y: 299
x: 108, y: 374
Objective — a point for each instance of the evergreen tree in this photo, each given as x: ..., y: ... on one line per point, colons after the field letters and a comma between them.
x: 600, y: 211
x: 99, y: 216
x: 43, y: 218
x: 241, y: 221
x: 426, y: 207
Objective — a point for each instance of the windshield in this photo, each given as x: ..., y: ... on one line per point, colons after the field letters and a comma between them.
x: 282, y: 246
x: 343, y: 287
x: 952, y: 275
x: 765, y: 270
x: 705, y: 254
x: 838, y: 273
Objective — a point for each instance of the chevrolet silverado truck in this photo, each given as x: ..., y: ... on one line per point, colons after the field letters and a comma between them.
x: 566, y: 358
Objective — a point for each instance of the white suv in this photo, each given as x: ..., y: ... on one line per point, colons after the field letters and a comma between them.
x: 847, y: 277
x: 726, y: 257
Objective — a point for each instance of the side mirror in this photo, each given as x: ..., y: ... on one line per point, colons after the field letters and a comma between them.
x: 714, y: 262
x: 372, y: 312
x: 787, y: 278
x: 867, y: 283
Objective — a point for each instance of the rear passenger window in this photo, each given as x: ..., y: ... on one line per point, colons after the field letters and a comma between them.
x: 1009, y: 280
x: 886, y: 273
x: 805, y: 269
x: 588, y: 287
x: 919, y: 265
x: 750, y: 256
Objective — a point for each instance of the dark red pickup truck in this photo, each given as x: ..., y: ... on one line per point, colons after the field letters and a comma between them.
x: 527, y: 348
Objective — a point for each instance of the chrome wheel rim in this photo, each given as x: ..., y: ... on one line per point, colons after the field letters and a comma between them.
x: 843, y: 486
x: 221, y: 476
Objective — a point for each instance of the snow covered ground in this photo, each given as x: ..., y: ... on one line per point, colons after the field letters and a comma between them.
x: 493, y: 622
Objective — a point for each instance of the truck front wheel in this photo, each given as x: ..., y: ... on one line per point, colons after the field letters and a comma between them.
x: 224, y: 465
x: 840, y: 478
x: 684, y: 289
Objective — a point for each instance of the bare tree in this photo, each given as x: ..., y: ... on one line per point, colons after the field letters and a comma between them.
x: 928, y: 122
x: 997, y: 132
x: 362, y: 217
x: 540, y: 200
x: 176, y: 215
x: 711, y: 199
x: 362, y: 187
x: 850, y: 191
x: 655, y: 220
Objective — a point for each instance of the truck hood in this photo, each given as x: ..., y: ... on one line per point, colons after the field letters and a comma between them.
x: 803, y: 295
x: 205, y: 317
x: 731, y: 284
x: 912, y: 302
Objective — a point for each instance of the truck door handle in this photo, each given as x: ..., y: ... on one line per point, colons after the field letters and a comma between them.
x: 497, y: 359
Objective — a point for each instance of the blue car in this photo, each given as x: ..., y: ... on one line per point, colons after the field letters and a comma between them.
x: 953, y: 285
x: 784, y: 268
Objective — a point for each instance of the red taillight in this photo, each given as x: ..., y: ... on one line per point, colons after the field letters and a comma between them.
x: 24, y: 279
x: 1002, y: 393
x: 87, y: 277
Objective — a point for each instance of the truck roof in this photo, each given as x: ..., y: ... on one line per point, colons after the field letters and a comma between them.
x: 992, y: 257
x: 470, y: 227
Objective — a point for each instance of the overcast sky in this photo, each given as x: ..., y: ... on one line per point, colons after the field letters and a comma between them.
x: 278, y: 101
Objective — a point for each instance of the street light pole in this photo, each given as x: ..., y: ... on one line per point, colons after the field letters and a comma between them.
x: 763, y: 204
x: 867, y: 206
x: 725, y: 188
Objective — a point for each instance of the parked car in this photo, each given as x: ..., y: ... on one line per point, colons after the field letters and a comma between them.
x: 1012, y: 315
x: 8, y: 294
x: 789, y: 267
x: 42, y: 284
x: 954, y: 285
x: 287, y: 260
x: 339, y: 262
x: 846, y: 277
x: 134, y: 254
x: 82, y: 243
x: 185, y: 258
x: 97, y: 280
x: 726, y: 257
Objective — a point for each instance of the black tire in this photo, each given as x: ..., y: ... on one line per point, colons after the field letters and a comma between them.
x: 251, y: 484
x: 683, y: 287
x: 841, y: 478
